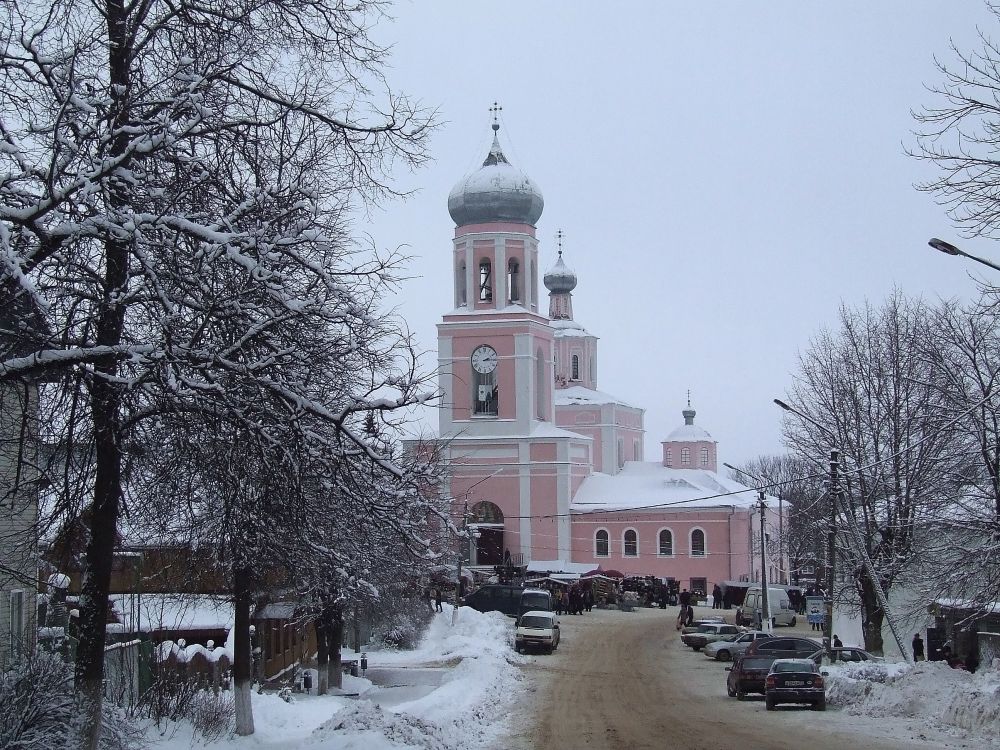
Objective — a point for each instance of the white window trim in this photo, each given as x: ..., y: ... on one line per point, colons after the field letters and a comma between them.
x: 691, y: 546
x: 673, y: 542
x: 637, y: 553
x: 596, y: 532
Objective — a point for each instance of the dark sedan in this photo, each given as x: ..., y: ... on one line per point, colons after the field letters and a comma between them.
x: 747, y: 675
x: 784, y: 648
x: 795, y: 681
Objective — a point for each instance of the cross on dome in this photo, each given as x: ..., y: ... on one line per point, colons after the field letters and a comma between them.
x: 496, y: 109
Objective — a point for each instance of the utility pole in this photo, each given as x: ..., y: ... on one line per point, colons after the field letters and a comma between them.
x: 765, y: 606
x: 464, y: 540
x: 782, y: 568
x: 831, y: 549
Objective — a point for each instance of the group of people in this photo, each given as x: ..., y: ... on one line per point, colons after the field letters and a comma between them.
x: 686, y: 615
x: 573, y: 601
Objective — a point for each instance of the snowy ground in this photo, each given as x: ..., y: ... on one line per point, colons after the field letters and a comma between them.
x: 966, y: 706
x: 448, y: 694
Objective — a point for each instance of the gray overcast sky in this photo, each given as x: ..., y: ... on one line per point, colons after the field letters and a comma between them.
x: 725, y: 175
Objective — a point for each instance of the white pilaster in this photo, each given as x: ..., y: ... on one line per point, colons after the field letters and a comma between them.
x: 524, y: 493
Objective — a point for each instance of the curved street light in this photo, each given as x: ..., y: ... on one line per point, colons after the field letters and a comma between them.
x: 948, y: 249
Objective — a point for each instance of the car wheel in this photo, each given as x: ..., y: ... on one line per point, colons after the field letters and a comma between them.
x: 740, y: 695
x: 792, y: 623
x: 820, y: 705
x: 730, y: 691
x: 696, y: 648
x: 722, y: 655
x: 769, y: 703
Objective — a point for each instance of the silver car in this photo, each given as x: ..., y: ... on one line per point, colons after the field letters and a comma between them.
x: 730, y: 648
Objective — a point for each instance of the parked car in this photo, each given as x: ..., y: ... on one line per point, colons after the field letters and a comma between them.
x: 844, y: 654
x: 511, y: 600
x: 537, y: 629
x: 795, y: 681
x: 779, y: 607
x: 733, y: 646
x: 709, y: 634
x: 781, y: 647
x: 695, y: 624
x: 747, y: 675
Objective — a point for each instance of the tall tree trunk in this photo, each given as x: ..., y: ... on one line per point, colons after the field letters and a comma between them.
x: 872, y: 616
x: 242, y: 656
x: 336, y: 666
x: 324, y: 632
x: 105, y: 408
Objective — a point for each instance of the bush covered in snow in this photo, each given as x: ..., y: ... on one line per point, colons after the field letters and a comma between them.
x: 37, y: 710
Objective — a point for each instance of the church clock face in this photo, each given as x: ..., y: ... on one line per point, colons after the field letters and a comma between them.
x: 484, y: 359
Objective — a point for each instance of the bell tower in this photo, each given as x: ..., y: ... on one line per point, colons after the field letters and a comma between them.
x: 495, y: 364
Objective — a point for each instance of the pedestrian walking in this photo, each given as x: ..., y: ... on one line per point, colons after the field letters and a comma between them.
x: 437, y: 600
x: 918, y: 647
x: 716, y: 597
x: 836, y: 641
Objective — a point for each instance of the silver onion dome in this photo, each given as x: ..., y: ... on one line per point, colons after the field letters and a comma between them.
x: 560, y: 278
x: 497, y: 191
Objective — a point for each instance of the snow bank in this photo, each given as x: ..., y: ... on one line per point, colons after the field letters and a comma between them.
x: 931, y: 691
x: 465, y: 711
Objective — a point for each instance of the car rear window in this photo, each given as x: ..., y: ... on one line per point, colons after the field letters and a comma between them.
x: 757, y: 663
x: 535, y: 601
x: 794, y: 666
x: 535, y: 621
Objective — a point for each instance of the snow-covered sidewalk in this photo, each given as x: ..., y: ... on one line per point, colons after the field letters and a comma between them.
x: 464, y: 677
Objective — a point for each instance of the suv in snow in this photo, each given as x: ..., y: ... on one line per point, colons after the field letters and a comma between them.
x: 537, y: 629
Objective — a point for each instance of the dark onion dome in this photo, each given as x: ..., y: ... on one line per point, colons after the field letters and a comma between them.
x: 560, y: 278
x: 497, y: 191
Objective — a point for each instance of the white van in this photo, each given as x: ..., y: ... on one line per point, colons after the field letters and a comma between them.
x: 779, y: 607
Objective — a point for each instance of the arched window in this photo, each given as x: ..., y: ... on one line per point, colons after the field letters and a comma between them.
x: 514, y: 280
x: 666, y: 543
x: 593, y: 369
x: 685, y: 456
x: 621, y: 453
x: 668, y: 457
x: 630, y: 543
x: 460, y: 281
x: 704, y: 457
x: 485, y: 512
x: 485, y: 281
x: 575, y: 368
x: 540, y: 385
x: 697, y: 543
x: 601, y: 543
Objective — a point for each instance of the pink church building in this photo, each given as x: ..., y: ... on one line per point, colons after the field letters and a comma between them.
x: 551, y: 468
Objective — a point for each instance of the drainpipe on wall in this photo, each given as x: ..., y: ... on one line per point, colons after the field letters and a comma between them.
x: 729, y: 521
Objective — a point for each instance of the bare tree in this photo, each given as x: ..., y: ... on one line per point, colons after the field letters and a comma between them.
x: 960, y: 543
x: 871, y: 392
x: 804, y: 499
x: 154, y: 153
x: 960, y: 134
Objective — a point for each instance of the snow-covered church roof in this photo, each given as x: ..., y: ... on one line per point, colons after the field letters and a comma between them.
x: 649, y: 485
x: 689, y: 433
x: 577, y: 395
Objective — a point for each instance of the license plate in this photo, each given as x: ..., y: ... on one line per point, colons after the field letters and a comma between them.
x: 794, y: 683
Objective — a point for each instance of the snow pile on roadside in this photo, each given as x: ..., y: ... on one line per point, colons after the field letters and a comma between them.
x: 464, y: 711
x: 930, y: 691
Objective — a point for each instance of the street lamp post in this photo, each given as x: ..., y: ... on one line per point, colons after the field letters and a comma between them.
x: 765, y: 612
x: 949, y: 249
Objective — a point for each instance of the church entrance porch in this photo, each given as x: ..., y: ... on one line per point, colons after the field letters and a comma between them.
x: 486, y: 522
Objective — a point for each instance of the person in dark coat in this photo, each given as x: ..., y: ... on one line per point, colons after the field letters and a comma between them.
x: 918, y: 647
x: 588, y: 599
x: 437, y: 600
x: 716, y: 597
x: 837, y: 643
